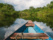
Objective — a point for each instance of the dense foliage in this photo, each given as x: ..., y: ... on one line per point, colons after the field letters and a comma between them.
x: 7, y: 14
x: 43, y: 14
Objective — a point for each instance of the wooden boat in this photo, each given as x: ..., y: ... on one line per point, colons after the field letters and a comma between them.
x: 22, y: 34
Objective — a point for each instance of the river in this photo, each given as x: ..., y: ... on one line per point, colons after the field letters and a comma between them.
x: 6, y: 31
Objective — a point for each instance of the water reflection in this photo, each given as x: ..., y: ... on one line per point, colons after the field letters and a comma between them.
x: 4, y: 32
x: 45, y: 28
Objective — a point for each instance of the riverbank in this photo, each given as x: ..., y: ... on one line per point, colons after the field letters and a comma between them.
x: 41, y: 14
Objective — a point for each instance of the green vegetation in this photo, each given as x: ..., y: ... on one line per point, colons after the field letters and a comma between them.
x: 41, y: 14
x: 7, y: 14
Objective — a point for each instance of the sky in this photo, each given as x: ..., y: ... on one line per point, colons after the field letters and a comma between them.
x: 25, y: 4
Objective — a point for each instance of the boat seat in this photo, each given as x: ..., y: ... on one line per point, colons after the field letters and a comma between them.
x: 30, y: 24
x: 29, y: 36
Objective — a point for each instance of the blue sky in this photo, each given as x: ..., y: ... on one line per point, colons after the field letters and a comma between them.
x: 25, y: 4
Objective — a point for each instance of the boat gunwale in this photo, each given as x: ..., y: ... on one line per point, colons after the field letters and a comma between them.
x: 14, y: 31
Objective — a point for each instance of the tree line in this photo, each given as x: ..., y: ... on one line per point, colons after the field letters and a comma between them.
x: 41, y: 14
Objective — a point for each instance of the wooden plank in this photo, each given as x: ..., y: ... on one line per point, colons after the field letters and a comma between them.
x: 35, y: 36
x: 29, y: 24
x: 19, y: 36
x: 29, y: 36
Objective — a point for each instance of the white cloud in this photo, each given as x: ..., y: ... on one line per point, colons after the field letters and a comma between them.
x: 45, y: 28
x: 25, y: 4
x: 17, y: 24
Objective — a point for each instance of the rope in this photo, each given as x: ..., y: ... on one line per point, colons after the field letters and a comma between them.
x: 22, y: 35
x: 17, y: 36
